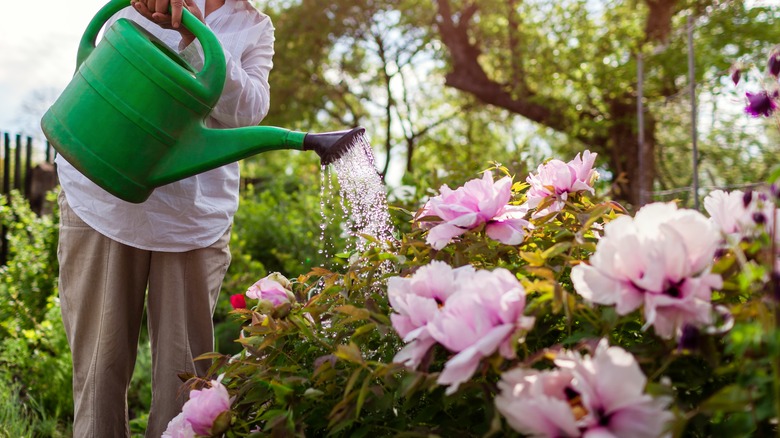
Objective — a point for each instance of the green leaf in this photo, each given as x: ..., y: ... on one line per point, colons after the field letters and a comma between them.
x: 350, y: 353
x: 556, y: 250
x: 732, y: 398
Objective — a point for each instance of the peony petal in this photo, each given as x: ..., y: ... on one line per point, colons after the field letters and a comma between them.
x: 412, y: 354
x: 462, y: 366
x: 597, y: 287
x: 442, y: 234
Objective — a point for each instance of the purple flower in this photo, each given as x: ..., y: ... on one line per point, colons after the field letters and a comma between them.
x: 274, y: 288
x: 773, y: 64
x: 479, y: 201
x: 556, y: 179
x: 660, y: 259
x: 760, y: 104
x: 599, y: 396
x: 736, y: 74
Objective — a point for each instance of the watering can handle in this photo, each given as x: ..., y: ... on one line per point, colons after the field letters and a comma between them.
x: 211, y: 77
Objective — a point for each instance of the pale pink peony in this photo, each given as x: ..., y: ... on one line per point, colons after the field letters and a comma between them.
x: 199, y: 412
x: 205, y: 405
x: 660, y: 259
x: 416, y: 300
x: 479, y: 201
x: 471, y: 313
x: 179, y: 427
x: 274, y: 288
x: 599, y: 396
x: 510, y: 226
x: 478, y: 320
x: 556, y: 179
x: 741, y: 215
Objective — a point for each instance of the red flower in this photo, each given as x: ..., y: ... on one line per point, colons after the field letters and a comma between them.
x: 238, y: 301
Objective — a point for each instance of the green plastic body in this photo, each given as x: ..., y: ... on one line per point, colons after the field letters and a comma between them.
x: 132, y: 117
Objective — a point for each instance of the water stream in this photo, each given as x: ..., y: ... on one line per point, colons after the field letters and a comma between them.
x: 362, y: 200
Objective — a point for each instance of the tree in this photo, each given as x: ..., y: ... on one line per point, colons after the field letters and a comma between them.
x: 436, y: 82
x: 571, y: 65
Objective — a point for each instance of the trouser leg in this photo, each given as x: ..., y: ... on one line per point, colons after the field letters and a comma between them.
x: 183, y: 292
x: 102, y: 286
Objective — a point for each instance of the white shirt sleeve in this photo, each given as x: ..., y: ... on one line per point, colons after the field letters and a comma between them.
x: 245, y: 98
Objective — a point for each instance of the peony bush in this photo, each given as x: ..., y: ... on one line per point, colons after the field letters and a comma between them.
x: 518, y: 307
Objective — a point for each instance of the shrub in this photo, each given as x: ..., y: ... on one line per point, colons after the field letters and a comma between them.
x: 521, y: 296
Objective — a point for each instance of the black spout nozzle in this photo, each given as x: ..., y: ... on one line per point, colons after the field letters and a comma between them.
x: 331, y: 146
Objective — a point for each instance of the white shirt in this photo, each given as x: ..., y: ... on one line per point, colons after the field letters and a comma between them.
x: 194, y: 212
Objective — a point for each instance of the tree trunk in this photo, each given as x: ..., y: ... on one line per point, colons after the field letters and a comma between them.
x: 629, y: 180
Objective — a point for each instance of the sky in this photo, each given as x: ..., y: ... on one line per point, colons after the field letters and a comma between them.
x: 38, y: 44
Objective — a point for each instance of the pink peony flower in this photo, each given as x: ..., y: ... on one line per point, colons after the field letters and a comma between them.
x: 556, y: 179
x: 509, y: 227
x: 273, y: 288
x: 479, y: 319
x: 179, y: 427
x: 599, y: 396
x: 741, y: 215
x: 416, y: 300
x: 659, y: 259
x: 471, y: 313
x: 199, y: 412
x: 479, y: 201
x: 205, y: 405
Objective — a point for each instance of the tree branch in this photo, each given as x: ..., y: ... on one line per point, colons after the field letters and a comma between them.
x: 468, y: 75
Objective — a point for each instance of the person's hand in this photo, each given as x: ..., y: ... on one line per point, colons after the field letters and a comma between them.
x: 161, y: 6
x: 157, y: 12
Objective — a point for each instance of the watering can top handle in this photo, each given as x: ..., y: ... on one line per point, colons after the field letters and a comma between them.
x: 212, y: 76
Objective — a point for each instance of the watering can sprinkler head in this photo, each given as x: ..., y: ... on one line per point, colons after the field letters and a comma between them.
x: 331, y: 146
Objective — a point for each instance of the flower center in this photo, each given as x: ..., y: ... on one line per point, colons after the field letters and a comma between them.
x: 674, y: 289
x: 575, y: 403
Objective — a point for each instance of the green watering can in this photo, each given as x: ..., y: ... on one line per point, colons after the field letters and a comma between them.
x: 132, y: 117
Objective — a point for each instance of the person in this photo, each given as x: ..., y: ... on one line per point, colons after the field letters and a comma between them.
x: 169, y: 252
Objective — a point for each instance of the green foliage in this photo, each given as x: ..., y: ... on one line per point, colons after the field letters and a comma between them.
x: 14, y: 416
x: 278, y: 226
x: 29, y: 277
x: 323, y: 365
x: 34, y: 353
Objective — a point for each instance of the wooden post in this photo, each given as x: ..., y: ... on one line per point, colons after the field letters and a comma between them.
x: 692, y: 82
x: 640, y: 115
x: 7, y: 164
x: 6, y: 190
x: 18, y: 163
x: 27, y: 166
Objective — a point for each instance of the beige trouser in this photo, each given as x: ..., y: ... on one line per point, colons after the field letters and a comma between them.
x: 102, y: 288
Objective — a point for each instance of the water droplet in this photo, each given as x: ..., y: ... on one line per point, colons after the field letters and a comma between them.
x: 363, y: 199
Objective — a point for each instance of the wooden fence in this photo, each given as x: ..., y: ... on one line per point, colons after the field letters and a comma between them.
x: 27, y: 171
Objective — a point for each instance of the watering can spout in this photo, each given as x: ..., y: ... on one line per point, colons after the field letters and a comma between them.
x: 203, y: 149
x: 331, y: 146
